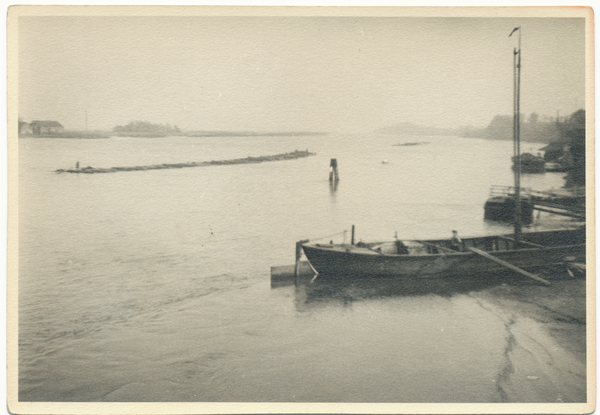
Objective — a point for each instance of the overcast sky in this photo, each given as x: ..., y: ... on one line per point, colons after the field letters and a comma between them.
x: 335, y: 74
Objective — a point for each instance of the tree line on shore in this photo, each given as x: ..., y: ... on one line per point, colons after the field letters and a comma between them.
x: 53, y: 129
x: 533, y: 128
x: 147, y: 129
x: 564, y: 136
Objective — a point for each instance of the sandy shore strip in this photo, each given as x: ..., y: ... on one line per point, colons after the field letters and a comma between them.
x: 545, y: 332
x: 248, y: 160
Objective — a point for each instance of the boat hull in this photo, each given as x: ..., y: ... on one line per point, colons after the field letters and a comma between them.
x: 502, y: 209
x: 342, y: 260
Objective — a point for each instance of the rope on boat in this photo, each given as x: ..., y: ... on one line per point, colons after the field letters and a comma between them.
x: 344, y: 232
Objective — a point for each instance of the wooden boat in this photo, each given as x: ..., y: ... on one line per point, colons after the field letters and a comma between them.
x: 530, y: 163
x: 439, y: 258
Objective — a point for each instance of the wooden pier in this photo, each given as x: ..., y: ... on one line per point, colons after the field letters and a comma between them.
x: 287, y: 274
x: 561, y: 206
x: 500, y: 206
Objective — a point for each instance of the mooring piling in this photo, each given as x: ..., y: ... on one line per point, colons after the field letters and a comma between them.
x: 333, y: 171
x: 290, y: 274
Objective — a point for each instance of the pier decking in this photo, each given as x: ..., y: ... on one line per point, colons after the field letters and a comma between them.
x: 562, y: 202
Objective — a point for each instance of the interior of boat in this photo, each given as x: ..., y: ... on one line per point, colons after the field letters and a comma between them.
x: 532, y: 240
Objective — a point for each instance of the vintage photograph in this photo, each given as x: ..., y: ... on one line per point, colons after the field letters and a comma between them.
x: 300, y: 210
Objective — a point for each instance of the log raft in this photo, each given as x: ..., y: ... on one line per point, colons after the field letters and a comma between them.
x: 248, y: 160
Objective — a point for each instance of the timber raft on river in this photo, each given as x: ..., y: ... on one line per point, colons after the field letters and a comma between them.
x: 277, y: 157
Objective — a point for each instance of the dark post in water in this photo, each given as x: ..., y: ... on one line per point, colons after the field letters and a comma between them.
x: 333, y: 171
x: 298, y: 256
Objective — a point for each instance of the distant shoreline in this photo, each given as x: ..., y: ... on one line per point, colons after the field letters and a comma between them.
x: 96, y: 135
x: 250, y: 134
x: 69, y: 134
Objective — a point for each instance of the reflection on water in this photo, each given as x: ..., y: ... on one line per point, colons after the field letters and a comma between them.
x: 333, y: 186
x: 330, y: 290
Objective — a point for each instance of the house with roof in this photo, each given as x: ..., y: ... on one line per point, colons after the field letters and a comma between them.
x: 46, y: 127
x: 24, y: 128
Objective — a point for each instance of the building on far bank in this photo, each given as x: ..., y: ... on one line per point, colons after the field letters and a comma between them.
x: 25, y: 128
x: 46, y: 127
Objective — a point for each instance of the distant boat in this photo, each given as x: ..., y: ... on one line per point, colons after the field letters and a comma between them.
x: 411, y: 144
x: 530, y: 163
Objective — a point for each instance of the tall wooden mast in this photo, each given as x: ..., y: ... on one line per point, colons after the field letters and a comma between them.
x: 516, y: 134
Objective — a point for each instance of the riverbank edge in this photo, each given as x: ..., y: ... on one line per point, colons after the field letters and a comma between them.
x: 545, y: 361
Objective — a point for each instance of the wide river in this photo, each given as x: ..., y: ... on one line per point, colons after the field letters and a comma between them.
x: 155, y: 285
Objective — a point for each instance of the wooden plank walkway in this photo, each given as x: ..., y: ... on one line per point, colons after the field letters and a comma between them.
x: 562, y: 202
x: 558, y: 208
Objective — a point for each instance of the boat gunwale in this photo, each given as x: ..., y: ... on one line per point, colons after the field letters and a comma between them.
x: 419, y: 255
x: 351, y: 249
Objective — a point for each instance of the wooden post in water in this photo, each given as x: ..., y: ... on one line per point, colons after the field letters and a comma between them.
x: 298, y: 254
x: 352, y: 238
x: 333, y: 171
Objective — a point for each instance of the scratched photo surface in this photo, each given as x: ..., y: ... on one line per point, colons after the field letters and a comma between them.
x: 171, y: 169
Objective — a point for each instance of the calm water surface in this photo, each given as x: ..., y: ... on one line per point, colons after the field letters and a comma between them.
x: 155, y: 285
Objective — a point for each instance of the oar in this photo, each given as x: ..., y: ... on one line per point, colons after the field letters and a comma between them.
x: 507, y: 265
x: 521, y: 242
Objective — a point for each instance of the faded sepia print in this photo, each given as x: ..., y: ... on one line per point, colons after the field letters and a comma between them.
x: 225, y: 210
